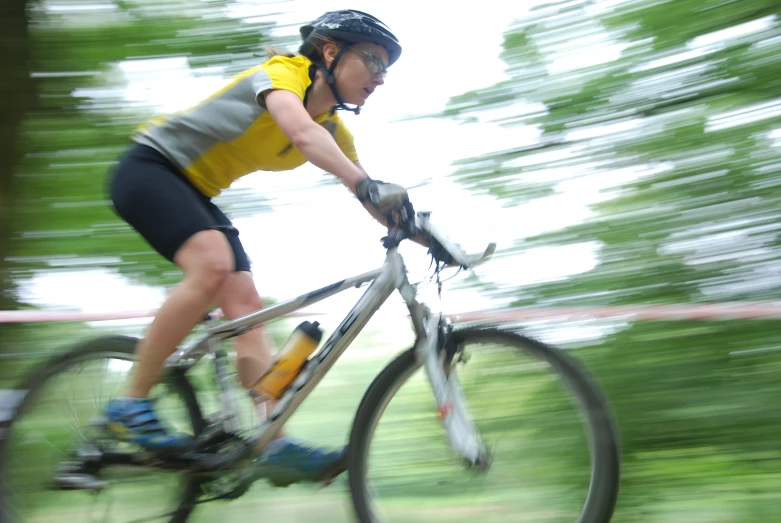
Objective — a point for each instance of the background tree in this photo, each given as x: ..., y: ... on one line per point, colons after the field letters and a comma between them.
x: 673, y: 118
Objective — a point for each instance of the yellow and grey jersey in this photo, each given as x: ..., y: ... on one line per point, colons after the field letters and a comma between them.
x: 231, y: 134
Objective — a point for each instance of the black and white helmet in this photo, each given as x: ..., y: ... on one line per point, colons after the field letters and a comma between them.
x: 351, y: 26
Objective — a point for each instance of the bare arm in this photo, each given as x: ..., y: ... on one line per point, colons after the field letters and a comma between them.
x: 315, y: 143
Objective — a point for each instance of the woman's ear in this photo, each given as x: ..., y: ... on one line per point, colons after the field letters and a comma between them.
x: 330, y: 51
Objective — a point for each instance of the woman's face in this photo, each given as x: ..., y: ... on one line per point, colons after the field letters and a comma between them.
x: 360, y: 70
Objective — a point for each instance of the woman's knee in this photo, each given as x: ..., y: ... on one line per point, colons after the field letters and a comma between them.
x: 207, y: 258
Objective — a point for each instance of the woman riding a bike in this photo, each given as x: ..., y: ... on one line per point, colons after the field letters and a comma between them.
x: 273, y: 117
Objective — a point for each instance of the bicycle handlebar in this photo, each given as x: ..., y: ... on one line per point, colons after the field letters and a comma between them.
x: 440, y: 246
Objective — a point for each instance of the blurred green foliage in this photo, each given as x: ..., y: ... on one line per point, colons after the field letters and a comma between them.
x: 674, y: 120
x: 66, y: 120
x: 75, y: 135
x: 15, y: 99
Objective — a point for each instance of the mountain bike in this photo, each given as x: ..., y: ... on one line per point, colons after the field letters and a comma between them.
x: 551, y: 452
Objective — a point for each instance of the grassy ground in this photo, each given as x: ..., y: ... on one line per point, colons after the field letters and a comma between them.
x: 539, y: 473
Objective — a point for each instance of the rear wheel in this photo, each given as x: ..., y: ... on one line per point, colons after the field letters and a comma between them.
x: 549, y: 429
x: 60, y: 420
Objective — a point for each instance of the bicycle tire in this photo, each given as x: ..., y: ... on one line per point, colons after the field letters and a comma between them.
x: 603, y: 491
x: 113, y: 347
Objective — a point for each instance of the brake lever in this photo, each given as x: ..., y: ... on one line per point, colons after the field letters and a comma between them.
x: 478, y: 259
x: 459, y: 257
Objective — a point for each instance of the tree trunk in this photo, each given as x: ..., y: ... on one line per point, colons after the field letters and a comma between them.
x: 16, y: 98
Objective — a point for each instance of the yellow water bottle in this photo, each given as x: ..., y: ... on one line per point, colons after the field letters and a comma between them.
x: 289, y: 360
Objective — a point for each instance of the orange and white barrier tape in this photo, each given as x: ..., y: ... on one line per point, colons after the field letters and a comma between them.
x: 705, y: 311
x: 50, y: 316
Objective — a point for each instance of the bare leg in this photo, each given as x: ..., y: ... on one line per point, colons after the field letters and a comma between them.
x: 254, y: 348
x: 285, y: 461
x: 207, y: 261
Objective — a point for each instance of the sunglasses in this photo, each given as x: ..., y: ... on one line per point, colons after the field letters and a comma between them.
x: 373, y: 62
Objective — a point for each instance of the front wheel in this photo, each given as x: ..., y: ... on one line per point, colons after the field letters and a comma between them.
x: 550, y: 432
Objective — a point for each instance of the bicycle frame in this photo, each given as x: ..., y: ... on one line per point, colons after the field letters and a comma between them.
x: 389, y: 277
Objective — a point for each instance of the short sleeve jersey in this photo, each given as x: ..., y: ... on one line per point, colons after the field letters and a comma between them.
x: 231, y: 134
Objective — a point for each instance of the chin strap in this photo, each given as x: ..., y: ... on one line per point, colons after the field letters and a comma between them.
x: 330, y: 79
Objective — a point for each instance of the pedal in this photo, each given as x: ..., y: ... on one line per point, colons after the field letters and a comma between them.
x: 89, y: 454
x: 326, y: 481
x: 70, y: 476
x: 80, y: 482
x: 331, y: 475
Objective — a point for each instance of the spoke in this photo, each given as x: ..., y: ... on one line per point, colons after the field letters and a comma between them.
x: 52, y: 445
x: 99, y: 399
x: 77, y: 425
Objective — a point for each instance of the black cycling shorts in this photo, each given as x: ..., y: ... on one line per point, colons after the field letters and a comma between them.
x: 157, y: 200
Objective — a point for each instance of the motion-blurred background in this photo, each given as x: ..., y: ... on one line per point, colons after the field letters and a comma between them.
x: 620, y: 152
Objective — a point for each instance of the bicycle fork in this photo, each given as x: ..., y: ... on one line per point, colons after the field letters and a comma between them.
x: 454, y: 413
